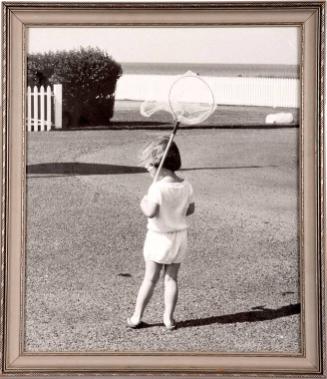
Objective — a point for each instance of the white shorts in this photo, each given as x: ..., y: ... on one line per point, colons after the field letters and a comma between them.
x: 165, y: 248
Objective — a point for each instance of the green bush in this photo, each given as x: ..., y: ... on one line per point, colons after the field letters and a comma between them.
x: 88, y: 77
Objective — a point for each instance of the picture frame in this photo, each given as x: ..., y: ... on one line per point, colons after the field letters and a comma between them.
x: 309, y: 16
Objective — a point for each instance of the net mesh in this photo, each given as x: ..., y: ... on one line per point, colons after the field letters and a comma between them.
x: 188, y: 98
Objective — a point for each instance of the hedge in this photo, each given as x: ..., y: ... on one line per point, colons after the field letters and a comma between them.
x: 88, y: 76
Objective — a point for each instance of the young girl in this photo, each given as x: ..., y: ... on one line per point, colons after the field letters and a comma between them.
x: 168, y: 202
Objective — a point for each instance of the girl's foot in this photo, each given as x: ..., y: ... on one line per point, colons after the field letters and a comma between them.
x: 170, y: 324
x: 134, y: 324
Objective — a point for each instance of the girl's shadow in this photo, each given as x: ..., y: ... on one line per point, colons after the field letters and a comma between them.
x: 259, y: 314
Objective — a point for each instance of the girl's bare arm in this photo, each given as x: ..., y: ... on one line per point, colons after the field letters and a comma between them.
x: 149, y: 208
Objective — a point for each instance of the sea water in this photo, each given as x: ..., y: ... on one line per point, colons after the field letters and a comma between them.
x: 213, y: 69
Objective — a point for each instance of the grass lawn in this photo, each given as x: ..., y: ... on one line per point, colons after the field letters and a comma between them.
x: 239, y: 287
x: 127, y: 114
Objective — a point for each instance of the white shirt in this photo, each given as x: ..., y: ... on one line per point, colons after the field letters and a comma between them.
x: 174, y: 199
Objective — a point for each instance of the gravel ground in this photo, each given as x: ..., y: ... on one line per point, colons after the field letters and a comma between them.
x: 239, y: 287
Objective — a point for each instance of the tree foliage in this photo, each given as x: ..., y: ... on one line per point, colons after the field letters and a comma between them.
x: 88, y: 76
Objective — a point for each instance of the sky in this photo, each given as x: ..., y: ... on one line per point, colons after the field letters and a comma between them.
x: 243, y: 45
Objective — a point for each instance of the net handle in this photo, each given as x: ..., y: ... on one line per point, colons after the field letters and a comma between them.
x: 171, y: 137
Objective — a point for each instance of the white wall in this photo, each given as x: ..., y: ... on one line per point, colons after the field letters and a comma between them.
x: 276, y: 92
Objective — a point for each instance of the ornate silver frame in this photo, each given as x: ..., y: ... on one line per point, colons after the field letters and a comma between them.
x: 310, y: 16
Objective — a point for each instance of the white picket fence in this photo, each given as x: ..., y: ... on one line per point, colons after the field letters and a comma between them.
x: 249, y: 91
x: 44, y: 108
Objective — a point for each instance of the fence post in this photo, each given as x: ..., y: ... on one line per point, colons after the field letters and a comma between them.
x: 35, y: 116
x: 48, y: 122
x: 57, y: 94
x: 42, y: 112
x: 29, y: 109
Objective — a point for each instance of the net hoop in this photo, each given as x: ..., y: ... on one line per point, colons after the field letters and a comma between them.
x: 204, y: 115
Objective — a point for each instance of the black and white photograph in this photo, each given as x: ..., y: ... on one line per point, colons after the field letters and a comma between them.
x: 163, y: 189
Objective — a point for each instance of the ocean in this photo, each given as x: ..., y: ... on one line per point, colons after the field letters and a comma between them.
x: 213, y: 69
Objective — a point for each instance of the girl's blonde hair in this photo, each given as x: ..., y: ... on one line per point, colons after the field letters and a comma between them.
x: 153, y: 152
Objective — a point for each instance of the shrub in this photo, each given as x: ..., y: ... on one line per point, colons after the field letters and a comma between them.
x: 88, y: 76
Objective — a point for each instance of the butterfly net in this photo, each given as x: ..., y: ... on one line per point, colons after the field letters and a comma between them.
x: 188, y: 98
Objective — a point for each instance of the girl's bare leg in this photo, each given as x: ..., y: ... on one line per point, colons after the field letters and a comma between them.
x: 171, y: 292
x: 151, y: 276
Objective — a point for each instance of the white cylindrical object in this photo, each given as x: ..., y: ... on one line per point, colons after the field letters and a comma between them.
x: 282, y: 118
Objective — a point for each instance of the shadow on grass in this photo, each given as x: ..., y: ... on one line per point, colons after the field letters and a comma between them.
x: 120, y: 125
x: 225, y: 167
x: 142, y: 124
x: 167, y: 126
x: 259, y: 314
x: 76, y: 168
x: 264, y: 314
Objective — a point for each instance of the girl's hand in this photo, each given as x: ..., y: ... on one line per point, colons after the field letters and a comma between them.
x: 149, y: 208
